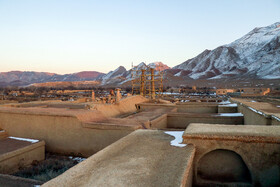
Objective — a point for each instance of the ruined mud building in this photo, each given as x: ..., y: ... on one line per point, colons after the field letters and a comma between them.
x: 142, y: 142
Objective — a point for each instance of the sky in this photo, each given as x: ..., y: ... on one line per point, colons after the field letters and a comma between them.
x: 67, y: 36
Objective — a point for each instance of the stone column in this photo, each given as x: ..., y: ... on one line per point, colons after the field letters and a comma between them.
x: 118, y: 95
x: 92, y: 96
x: 109, y: 98
x: 103, y: 100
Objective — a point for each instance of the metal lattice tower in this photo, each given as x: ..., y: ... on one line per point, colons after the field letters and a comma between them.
x: 147, y: 81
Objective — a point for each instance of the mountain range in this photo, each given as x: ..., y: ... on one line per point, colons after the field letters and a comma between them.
x: 25, y: 78
x: 254, y: 56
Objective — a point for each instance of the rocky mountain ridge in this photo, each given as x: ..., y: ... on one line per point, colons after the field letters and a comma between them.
x: 256, y: 55
x: 24, y: 78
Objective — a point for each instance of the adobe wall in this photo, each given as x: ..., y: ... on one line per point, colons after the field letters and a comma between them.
x: 191, y: 108
x: 182, y: 121
x: 50, y: 104
x: 125, y: 106
x: 3, y: 134
x: 227, y: 109
x: 13, y: 181
x: 262, y: 159
x: 275, y: 120
x: 151, y: 106
x: 63, y: 134
x: 198, y: 108
x: 252, y: 117
x: 66, y: 131
x: 143, y: 158
x: 198, y: 103
x: 12, y: 161
x: 258, y: 148
x: 258, y: 113
x: 160, y: 122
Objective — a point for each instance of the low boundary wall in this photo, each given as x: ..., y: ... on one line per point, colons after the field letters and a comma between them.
x: 254, y: 116
x: 11, y: 162
x: 182, y: 120
x: 62, y: 134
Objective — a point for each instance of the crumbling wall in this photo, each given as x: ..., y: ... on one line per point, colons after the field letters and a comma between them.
x: 125, y: 106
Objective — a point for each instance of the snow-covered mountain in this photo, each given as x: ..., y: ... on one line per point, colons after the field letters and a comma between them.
x: 120, y: 75
x: 255, y: 55
x: 158, y: 66
x: 114, y: 77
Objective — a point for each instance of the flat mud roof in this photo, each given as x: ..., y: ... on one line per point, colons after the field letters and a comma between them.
x: 12, y: 143
x: 143, y: 158
x: 247, y: 133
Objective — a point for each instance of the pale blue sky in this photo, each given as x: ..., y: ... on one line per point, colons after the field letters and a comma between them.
x: 66, y: 36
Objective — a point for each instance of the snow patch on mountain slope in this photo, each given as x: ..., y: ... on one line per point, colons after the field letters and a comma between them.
x: 112, y: 75
x: 257, y: 54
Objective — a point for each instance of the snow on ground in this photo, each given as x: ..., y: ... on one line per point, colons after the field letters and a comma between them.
x: 169, y: 93
x: 79, y: 159
x: 182, y: 101
x: 271, y: 77
x: 230, y: 114
x: 225, y: 102
x: 178, y: 74
x: 24, y: 139
x: 195, y: 94
x: 178, y: 138
x: 259, y: 112
x: 231, y: 105
x: 278, y: 119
